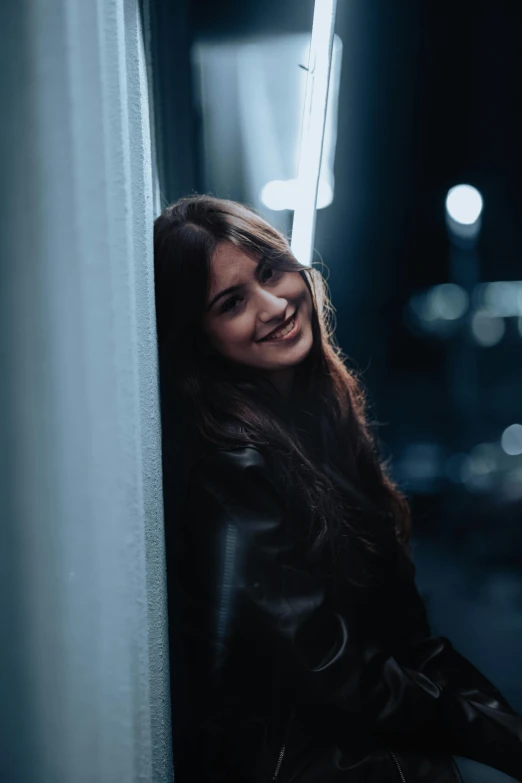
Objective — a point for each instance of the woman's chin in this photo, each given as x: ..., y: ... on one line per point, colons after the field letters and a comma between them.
x: 291, y: 358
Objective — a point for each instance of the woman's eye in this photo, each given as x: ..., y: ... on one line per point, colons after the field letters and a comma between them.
x: 271, y: 273
x: 230, y: 304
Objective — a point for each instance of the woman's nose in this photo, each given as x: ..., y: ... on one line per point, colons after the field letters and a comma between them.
x: 271, y: 307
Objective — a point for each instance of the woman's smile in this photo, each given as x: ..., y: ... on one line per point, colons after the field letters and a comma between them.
x: 288, y: 331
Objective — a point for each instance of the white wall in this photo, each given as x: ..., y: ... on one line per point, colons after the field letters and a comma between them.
x: 83, y: 650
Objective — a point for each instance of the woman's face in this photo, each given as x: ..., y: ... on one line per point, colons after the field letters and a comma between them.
x: 250, y: 324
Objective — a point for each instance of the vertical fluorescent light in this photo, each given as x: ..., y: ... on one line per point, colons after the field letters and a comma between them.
x: 314, y: 116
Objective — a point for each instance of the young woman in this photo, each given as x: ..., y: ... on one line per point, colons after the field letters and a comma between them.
x: 300, y: 646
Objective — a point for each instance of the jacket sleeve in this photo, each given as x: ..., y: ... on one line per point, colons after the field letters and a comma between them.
x: 424, y: 689
x: 474, y: 719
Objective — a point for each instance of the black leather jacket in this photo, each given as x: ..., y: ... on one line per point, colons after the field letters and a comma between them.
x: 275, y: 679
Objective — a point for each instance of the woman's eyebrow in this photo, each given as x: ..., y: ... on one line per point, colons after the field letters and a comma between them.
x: 233, y: 288
x: 224, y: 292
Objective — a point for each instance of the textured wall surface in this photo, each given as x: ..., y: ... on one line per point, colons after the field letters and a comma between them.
x: 83, y: 658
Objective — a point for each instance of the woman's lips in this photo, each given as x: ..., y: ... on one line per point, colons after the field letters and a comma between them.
x: 289, y: 336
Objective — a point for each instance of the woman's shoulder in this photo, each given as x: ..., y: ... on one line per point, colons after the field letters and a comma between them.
x: 229, y: 460
x: 235, y: 458
x: 233, y: 484
x: 231, y: 468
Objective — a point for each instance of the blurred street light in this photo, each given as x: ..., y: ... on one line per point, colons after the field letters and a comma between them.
x: 487, y: 329
x: 464, y: 206
x: 501, y: 298
x: 511, y: 440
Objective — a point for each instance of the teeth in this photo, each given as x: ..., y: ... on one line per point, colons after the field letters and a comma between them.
x: 282, y: 332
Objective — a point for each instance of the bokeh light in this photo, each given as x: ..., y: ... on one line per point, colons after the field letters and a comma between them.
x: 511, y: 440
x: 464, y: 204
x: 487, y: 329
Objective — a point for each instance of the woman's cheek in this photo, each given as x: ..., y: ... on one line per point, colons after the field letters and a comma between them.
x: 245, y: 328
x: 236, y: 331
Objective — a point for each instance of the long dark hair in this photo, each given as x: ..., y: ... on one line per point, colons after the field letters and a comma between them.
x: 320, y: 444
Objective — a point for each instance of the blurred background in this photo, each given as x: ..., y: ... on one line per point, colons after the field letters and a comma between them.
x: 424, y: 97
x: 114, y: 109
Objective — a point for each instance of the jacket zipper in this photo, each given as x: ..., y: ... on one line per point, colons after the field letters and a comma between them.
x: 226, y: 592
x: 394, y: 757
x: 282, y: 752
x: 279, y: 762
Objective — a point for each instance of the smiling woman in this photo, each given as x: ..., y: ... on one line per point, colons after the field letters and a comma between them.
x: 300, y: 647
